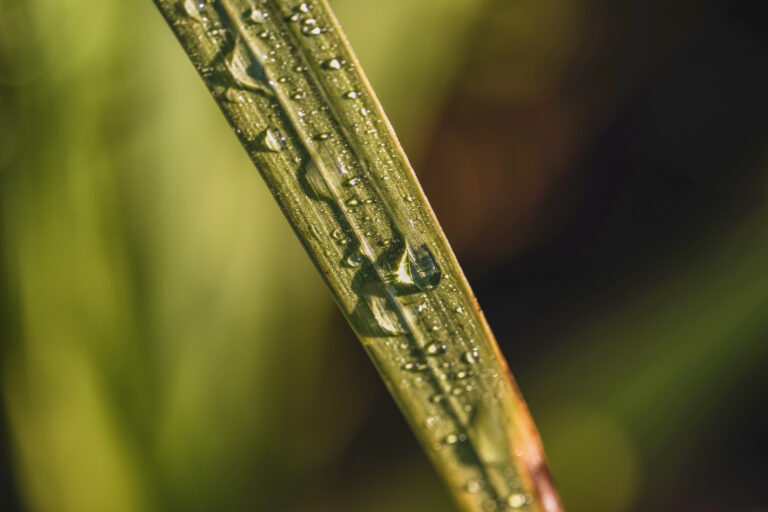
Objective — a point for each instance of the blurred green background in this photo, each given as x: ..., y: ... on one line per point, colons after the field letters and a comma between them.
x: 599, y: 166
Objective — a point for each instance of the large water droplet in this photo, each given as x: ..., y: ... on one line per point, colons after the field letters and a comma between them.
x: 415, y: 269
x: 241, y: 69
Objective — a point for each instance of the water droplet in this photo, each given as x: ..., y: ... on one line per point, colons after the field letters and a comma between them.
x: 435, y: 348
x: 470, y: 356
x: 335, y: 63
x: 436, y: 399
x: 254, y: 15
x: 459, y: 310
x: 435, y: 328
x: 312, y: 30
x: 323, y: 136
x: 414, y: 367
x: 464, y: 374
x: 353, y: 202
x: 338, y: 234
x: 190, y: 8
x: 352, y: 182
x: 416, y: 268
x: 474, y: 486
x: 240, y: 67
x: 517, y: 500
x: 386, y: 317
x: 305, y: 7
x: 300, y: 69
x: 455, y: 438
x: 354, y: 260
x: 271, y: 140
x: 351, y: 95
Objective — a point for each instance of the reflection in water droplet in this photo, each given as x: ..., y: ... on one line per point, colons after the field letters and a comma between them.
x: 271, y: 140
x: 470, y: 356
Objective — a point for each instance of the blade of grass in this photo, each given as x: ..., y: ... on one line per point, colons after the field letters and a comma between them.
x: 284, y: 76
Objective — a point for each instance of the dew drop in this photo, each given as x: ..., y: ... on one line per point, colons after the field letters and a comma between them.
x: 190, y: 8
x: 351, y: 95
x: 323, y: 136
x: 338, y: 234
x: 353, y: 202
x: 305, y: 7
x: 474, y: 486
x: 459, y: 310
x: 517, y: 500
x: 354, y: 260
x: 470, y: 356
x: 312, y: 30
x: 452, y: 439
x: 254, y: 15
x: 335, y: 63
x: 271, y: 140
x: 435, y: 348
x: 352, y: 182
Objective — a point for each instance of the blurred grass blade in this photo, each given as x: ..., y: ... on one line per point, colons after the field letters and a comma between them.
x: 284, y: 76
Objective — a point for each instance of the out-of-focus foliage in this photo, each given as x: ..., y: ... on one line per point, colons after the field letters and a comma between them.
x: 599, y: 166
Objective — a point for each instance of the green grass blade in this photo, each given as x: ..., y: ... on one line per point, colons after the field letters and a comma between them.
x: 285, y: 78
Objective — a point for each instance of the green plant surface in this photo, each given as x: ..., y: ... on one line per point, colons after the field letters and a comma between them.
x: 285, y: 78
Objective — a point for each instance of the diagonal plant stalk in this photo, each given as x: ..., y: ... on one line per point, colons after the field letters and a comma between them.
x: 285, y: 78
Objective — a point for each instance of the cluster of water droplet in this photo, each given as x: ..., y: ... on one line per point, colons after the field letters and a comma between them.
x: 302, y: 107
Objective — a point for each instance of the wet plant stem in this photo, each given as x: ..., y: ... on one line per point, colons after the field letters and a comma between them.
x: 284, y: 76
